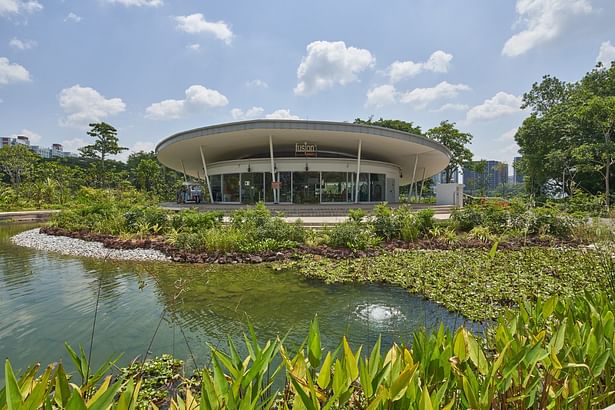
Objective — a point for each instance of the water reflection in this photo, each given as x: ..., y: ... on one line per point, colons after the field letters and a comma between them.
x: 46, y: 299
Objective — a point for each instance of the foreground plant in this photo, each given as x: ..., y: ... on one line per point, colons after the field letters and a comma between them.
x: 552, y: 354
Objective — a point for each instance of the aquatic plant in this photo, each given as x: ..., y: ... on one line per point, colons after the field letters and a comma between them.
x: 550, y: 354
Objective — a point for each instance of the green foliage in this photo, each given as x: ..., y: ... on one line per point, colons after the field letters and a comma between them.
x: 193, y: 221
x: 258, y: 224
x: 567, y: 139
x: 501, y: 217
x: 469, y: 281
x: 401, y: 223
x: 157, y: 376
x: 554, y: 353
x: 393, y: 124
x: 352, y: 235
x: 456, y: 142
x: 18, y: 162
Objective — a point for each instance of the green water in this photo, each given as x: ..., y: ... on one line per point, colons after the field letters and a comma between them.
x: 47, y: 299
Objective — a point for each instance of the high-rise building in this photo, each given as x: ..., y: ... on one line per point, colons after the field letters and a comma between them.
x: 495, y: 174
x: 56, y: 150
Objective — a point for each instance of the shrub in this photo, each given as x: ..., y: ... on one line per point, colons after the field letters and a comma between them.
x: 352, y: 235
x: 193, y: 221
x: 401, y: 223
x: 356, y: 215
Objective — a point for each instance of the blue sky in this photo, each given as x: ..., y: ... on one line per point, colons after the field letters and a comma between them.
x: 155, y: 67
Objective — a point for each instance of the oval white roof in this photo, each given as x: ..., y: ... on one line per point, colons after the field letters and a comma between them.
x: 242, y: 139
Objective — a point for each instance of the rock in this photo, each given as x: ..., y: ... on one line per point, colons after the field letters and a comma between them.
x: 73, y: 246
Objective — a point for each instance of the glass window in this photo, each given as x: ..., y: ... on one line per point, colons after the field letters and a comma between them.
x: 306, y: 187
x: 252, y: 187
x: 268, y: 189
x: 216, y: 187
x: 363, y: 187
x: 350, y: 186
x: 285, y: 179
x: 377, y: 187
x: 230, y: 185
x: 334, y: 187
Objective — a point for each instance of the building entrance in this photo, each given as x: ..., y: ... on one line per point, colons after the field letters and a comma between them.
x: 306, y: 187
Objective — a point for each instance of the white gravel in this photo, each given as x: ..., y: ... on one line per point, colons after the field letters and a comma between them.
x: 78, y: 247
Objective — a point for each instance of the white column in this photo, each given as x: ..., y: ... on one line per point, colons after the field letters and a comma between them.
x: 211, y: 195
x: 275, y: 196
x: 422, y: 183
x: 184, y: 169
x: 416, y: 161
x: 356, y: 185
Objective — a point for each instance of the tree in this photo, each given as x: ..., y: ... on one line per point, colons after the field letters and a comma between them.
x: 398, y: 125
x: 17, y: 161
x: 456, y: 142
x: 106, y: 144
x: 571, y: 127
x: 148, y: 174
x: 480, y: 167
x: 598, y: 116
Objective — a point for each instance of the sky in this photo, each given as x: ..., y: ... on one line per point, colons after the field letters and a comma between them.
x: 152, y: 68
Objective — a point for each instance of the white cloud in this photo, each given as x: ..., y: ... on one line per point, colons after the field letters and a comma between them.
x: 198, y: 98
x: 34, y: 137
x: 72, y: 17
x: 544, y: 20
x: 19, y: 6
x: 452, y: 107
x: 22, y: 44
x: 438, y: 62
x: 165, y: 110
x: 196, y: 23
x: 73, y: 145
x: 421, y: 97
x: 499, y: 105
x: 194, y: 47
x: 137, y: 3
x: 11, y: 72
x: 254, y: 112
x: 508, y: 135
x: 381, y: 96
x: 282, y: 114
x: 606, y: 55
x: 330, y: 63
x: 84, y: 105
x: 257, y: 84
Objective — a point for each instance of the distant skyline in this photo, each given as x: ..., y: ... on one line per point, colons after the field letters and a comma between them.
x: 154, y: 67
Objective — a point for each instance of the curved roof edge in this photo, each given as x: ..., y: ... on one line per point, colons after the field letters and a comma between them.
x: 305, y: 125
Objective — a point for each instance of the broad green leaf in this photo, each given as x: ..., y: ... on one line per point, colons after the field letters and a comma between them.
x: 599, y: 363
x: 425, y: 402
x: 324, y: 377
x: 13, y: 394
x: 314, y: 348
x: 400, y: 384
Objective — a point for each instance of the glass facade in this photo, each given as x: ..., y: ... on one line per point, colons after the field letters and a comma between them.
x: 298, y: 187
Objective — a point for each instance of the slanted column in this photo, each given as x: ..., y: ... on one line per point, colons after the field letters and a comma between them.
x: 416, y: 161
x: 211, y: 195
x: 422, y: 183
x: 184, y: 169
x: 356, y: 185
x: 275, y: 196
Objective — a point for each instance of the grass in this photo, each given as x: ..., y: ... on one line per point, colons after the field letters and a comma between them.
x: 477, y: 283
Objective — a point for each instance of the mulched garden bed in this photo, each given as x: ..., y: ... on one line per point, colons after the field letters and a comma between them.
x: 178, y: 255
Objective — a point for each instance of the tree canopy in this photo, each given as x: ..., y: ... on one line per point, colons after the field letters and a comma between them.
x: 456, y: 142
x: 568, y: 135
x: 393, y: 124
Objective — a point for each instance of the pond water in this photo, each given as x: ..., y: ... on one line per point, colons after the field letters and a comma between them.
x: 47, y: 299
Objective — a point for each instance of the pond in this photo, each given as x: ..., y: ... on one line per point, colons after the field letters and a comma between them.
x: 47, y: 299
